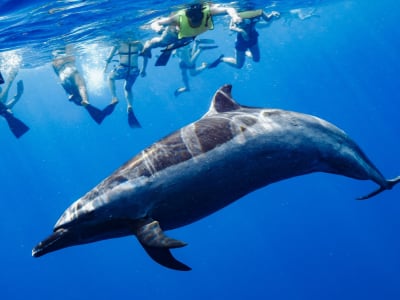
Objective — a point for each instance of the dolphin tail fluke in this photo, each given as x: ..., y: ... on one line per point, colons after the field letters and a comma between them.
x: 158, y: 245
x: 389, y: 186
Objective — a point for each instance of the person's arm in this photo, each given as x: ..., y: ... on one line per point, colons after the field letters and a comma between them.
x: 268, y: 17
x: 159, y: 24
x: 216, y: 9
x: 109, y: 58
x: 233, y: 26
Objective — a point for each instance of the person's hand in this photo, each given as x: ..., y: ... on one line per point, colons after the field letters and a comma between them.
x: 275, y: 14
x: 236, y: 19
x: 142, y: 73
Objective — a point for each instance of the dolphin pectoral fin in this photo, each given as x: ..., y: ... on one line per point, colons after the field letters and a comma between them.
x: 390, y: 184
x: 157, y: 245
x: 164, y: 257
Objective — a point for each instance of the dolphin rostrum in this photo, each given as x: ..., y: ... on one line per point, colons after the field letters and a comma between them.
x: 231, y: 151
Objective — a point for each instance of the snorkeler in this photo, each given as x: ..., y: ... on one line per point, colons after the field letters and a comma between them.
x: 74, y: 84
x: 182, y: 27
x: 246, y: 38
x: 127, y: 69
x: 17, y: 127
x: 187, y: 64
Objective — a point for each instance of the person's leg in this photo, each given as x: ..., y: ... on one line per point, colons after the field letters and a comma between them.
x: 7, y: 86
x: 237, y: 61
x: 255, y: 52
x: 81, y: 85
x: 199, y: 69
x: 115, y: 74
x: 130, y: 80
x: 166, y: 38
x: 15, y: 99
x: 185, y: 79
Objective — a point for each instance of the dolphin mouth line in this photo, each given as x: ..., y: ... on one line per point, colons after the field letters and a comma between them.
x: 54, y: 238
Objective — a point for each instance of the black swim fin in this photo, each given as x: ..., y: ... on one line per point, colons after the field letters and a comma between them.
x: 108, y: 110
x: 17, y: 127
x: 1, y: 79
x: 132, y: 120
x: 163, y: 59
x: 205, y: 41
x: 96, y: 114
x: 216, y: 62
x: 207, y: 47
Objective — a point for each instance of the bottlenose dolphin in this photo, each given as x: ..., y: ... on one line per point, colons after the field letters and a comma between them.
x: 231, y: 151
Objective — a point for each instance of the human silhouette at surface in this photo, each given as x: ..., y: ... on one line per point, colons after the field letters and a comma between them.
x: 246, y: 38
x: 188, y: 56
x: 128, y: 70
x: 17, y: 127
x: 64, y: 65
x: 184, y: 25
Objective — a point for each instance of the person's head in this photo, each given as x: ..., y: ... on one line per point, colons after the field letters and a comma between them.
x: 195, y: 14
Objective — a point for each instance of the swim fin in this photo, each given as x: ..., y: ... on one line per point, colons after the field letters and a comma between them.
x: 17, y: 127
x: 163, y: 59
x: 207, y: 47
x: 132, y: 121
x: 1, y: 79
x: 96, y: 114
x: 108, y: 110
x: 205, y: 41
x: 216, y: 62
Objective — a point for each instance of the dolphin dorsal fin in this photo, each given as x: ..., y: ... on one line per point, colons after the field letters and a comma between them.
x: 222, y: 101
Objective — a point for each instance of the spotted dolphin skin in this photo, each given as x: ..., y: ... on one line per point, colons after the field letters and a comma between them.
x: 231, y: 151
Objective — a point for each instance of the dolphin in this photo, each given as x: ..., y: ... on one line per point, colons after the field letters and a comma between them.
x: 201, y: 168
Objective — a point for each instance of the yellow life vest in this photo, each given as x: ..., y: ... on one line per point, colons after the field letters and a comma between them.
x: 185, y: 30
x: 249, y: 14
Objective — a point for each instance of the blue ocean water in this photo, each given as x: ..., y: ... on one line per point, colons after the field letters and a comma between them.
x: 303, y: 238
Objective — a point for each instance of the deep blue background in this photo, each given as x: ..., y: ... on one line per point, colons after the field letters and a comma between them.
x: 304, y: 238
